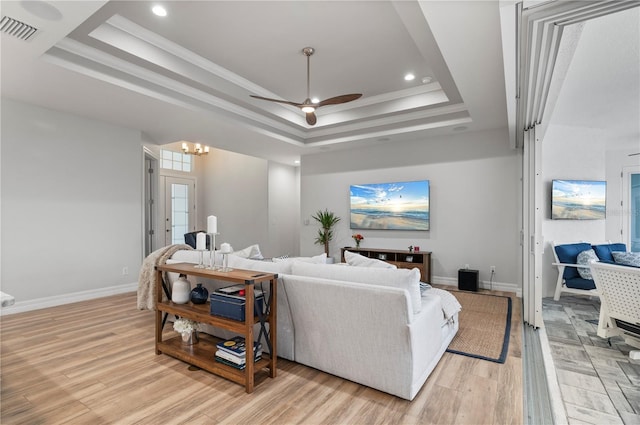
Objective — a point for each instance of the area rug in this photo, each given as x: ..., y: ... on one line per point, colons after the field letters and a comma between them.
x: 485, y: 325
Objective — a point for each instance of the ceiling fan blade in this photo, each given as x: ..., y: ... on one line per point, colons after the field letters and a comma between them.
x: 340, y: 99
x: 298, y: 105
x: 311, y: 118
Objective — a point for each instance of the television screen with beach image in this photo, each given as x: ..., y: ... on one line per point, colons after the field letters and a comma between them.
x: 578, y: 200
x: 390, y: 206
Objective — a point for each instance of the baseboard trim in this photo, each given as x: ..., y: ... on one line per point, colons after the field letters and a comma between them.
x: 74, y: 297
x: 496, y: 286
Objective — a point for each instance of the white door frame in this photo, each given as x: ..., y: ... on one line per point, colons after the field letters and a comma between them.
x: 627, y: 202
x: 150, y: 165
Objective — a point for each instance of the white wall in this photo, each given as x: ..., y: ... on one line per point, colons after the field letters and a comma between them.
x: 255, y: 201
x: 474, y: 182
x: 71, y: 204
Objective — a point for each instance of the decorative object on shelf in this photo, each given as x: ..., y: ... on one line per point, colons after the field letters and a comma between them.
x: 410, y: 248
x: 327, y: 220
x: 212, y: 229
x: 225, y: 250
x: 201, y: 246
x: 212, y: 224
x: 199, y: 294
x: 416, y: 249
x: 358, y: 238
x: 188, y: 329
x: 197, y: 150
x: 181, y: 290
x: 409, y: 258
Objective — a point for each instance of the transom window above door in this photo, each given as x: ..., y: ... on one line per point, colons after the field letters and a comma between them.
x: 177, y: 161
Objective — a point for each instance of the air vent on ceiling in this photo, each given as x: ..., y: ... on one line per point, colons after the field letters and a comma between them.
x: 16, y: 28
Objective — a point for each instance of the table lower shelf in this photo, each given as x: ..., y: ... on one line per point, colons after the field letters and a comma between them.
x: 202, y: 355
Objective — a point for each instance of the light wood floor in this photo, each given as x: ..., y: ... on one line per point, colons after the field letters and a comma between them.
x: 94, y: 363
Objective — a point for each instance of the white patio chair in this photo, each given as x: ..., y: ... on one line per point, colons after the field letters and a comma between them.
x: 619, y: 289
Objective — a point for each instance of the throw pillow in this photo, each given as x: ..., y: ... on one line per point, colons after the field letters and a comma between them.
x: 354, y: 259
x: 627, y: 258
x: 252, y: 252
x: 317, y: 259
x: 258, y: 265
x: 584, y: 258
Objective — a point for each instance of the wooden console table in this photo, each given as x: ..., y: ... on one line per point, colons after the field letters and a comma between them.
x: 403, y: 259
x: 202, y: 354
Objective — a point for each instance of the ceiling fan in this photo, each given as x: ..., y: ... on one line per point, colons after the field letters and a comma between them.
x: 308, y: 107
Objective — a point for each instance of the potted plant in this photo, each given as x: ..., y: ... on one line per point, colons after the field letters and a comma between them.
x: 327, y: 220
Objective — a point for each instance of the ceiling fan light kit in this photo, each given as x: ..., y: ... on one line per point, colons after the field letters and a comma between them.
x: 309, y: 107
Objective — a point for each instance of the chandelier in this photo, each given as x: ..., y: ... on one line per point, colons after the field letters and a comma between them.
x: 197, y: 150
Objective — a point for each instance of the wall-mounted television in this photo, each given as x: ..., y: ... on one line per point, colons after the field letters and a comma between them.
x: 390, y: 206
x: 578, y: 200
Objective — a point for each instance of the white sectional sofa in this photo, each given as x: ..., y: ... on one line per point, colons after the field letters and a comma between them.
x: 368, y: 325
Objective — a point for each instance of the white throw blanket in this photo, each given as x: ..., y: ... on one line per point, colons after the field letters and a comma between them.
x: 147, y: 281
x: 450, y: 304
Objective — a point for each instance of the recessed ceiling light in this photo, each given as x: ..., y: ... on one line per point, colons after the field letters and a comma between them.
x: 297, y: 162
x: 409, y: 77
x: 159, y: 10
x: 42, y: 10
x: 426, y: 80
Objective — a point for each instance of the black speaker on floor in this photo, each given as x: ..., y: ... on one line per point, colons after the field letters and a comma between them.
x: 468, y: 280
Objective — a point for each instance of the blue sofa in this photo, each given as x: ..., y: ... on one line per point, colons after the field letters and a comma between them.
x: 566, y: 256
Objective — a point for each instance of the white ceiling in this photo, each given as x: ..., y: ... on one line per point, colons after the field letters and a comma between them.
x: 188, y: 76
x: 601, y: 88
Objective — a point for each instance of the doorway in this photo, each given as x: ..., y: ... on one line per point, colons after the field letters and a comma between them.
x: 150, y: 193
x: 179, y: 208
x: 631, y: 207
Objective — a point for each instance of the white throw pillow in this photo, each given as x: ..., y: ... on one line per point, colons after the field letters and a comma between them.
x: 258, y: 265
x: 317, y: 259
x: 584, y: 258
x: 252, y: 252
x: 354, y: 259
x: 399, y: 278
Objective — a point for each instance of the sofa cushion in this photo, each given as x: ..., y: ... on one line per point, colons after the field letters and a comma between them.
x: 580, y: 283
x: 627, y: 258
x: 354, y: 259
x: 399, y: 278
x: 584, y: 258
x: 568, y: 254
x: 604, y: 251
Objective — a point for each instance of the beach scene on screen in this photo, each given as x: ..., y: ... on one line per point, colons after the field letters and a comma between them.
x: 391, y: 206
x: 578, y: 200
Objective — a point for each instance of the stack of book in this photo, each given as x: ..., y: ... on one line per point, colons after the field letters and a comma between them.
x: 233, y: 352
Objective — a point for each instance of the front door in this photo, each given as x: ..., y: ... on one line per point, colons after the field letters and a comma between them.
x: 179, y: 209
